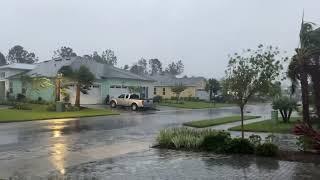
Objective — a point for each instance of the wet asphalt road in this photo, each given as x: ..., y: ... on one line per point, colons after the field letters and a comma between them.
x: 36, y: 148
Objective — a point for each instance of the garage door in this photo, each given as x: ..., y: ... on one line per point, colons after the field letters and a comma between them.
x: 93, y: 96
x: 116, y: 90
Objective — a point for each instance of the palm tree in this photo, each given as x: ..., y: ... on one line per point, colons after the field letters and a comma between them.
x: 82, y: 78
x: 301, y: 67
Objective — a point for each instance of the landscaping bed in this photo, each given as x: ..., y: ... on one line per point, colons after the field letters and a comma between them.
x: 220, y: 142
x: 40, y: 112
x: 217, y: 121
x: 214, y: 141
x: 193, y: 104
x: 269, y: 126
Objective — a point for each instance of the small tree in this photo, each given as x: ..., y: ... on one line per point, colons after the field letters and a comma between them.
x: 64, y: 52
x: 82, y: 78
x: 18, y: 54
x: 213, y: 86
x: 178, y: 89
x: 175, y: 68
x: 285, y: 105
x: 251, y: 73
x: 3, y: 60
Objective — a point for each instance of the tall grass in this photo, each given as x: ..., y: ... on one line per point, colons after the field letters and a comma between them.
x: 183, y: 138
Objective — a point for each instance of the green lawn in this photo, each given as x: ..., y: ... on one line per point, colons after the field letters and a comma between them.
x: 269, y: 126
x: 213, y: 122
x: 39, y: 112
x: 194, y: 104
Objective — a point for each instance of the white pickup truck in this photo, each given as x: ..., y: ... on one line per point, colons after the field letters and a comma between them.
x: 131, y: 100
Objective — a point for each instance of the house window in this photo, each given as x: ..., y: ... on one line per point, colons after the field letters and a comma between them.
x: 164, y: 91
x: 2, y: 75
x: 154, y: 91
x: 24, y: 89
x: 11, y: 87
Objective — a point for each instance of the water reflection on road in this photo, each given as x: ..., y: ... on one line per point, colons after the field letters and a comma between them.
x: 168, y: 164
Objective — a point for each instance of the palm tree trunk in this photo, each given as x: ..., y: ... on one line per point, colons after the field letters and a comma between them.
x: 77, y: 102
x: 305, y: 97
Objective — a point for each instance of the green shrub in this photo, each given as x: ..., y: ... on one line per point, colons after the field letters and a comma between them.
x: 255, y: 139
x: 21, y: 97
x: 267, y: 149
x: 51, y: 107
x: 304, y: 143
x: 72, y: 108
x: 217, y: 142
x: 157, y: 99
x: 66, y: 98
x: 240, y: 146
x: 22, y: 106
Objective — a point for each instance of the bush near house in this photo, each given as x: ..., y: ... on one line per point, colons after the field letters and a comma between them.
x: 267, y: 149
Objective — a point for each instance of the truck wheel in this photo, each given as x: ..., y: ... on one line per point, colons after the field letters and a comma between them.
x: 113, y: 104
x: 134, y: 107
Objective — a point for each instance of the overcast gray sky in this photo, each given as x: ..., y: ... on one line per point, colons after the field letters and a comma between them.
x: 201, y: 33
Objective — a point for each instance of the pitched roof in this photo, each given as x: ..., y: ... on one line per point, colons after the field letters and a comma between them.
x: 169, y: 80
x: 21, y: 66
x: 101, y: 71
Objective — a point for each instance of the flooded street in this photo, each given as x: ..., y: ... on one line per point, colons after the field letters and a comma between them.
x: 114, y: 147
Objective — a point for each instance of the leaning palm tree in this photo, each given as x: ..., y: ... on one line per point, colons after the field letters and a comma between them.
x: 82, y: 78
x: 301, y: 64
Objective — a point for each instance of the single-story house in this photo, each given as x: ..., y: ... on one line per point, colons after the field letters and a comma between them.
x: 8, y: 71
x: 110, y: 81
x: 195, y: 86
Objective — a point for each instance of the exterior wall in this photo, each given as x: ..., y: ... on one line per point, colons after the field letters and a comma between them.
x: 46, y: 94
x: 188, y: 92
x: 7, y: 73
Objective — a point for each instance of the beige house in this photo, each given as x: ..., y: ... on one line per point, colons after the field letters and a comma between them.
x: 195, y: 86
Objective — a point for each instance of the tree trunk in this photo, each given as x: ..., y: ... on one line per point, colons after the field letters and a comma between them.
x: 210, y: 96
x: 242, y: 118
x: 214, y: 100
x: 77, y: 102
x: 289, y: 114
x: 305, y: 97
x: 283, y: 116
